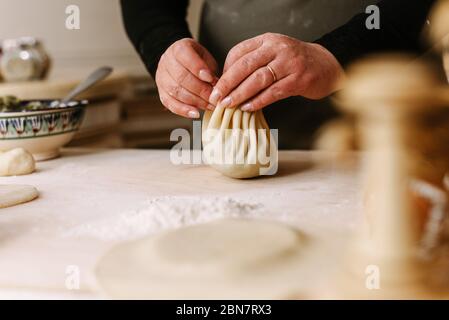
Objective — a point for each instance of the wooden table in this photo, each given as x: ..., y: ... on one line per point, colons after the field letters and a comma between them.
x: 86, y: 185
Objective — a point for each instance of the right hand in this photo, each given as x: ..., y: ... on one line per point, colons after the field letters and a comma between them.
x: 185, y: 76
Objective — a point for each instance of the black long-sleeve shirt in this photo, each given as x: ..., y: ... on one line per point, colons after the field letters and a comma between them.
x: 153, y: 25
x: 401, y: 25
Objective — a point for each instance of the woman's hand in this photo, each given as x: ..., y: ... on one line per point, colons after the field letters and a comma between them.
x: 271, y: 67
x: 184, y: 78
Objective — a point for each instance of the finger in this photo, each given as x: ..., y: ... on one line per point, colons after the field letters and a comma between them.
x: 181, y: 94
x: 187, y: 80
x: 188, y: 57
x: 242, y: 49
x: 210, y: 61
x: 278, y: 91
x: 251, y: 86
x: 178, y: 107
x: 238, y: 72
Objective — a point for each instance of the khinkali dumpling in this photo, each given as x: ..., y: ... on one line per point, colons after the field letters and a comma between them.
x: 238, y: 144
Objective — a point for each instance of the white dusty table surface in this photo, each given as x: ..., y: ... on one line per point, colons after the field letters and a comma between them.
x: 87, y: 186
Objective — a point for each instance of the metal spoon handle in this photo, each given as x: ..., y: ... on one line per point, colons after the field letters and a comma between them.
x: 92, y: 79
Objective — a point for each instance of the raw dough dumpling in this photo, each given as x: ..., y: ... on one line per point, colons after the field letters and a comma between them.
x: 16, y: 162
x: 224, y: 259
x: 11, y: 195
x: 238, y: 144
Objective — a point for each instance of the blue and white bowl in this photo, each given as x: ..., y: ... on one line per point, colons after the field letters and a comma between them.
x: 42, y: 132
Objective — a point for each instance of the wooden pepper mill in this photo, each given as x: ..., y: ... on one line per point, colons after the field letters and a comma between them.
x: 439, y: 31
x: 400, y: 107
x: 401, y: 111
x: 439, y: 23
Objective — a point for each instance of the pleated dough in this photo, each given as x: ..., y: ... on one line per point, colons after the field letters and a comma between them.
x: 224, y: 259
x: 16, y: 162
x: 11, y: 195
x: 238, y: 144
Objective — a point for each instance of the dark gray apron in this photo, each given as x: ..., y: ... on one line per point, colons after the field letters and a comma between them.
x: 228, y: 22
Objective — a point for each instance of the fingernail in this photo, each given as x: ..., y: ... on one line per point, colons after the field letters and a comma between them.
x: 226, y: 102
x: 210, y: 107
x: 206, y: 76
x: 215, y: 96
x: 247, y: 107
x: 193, y: 114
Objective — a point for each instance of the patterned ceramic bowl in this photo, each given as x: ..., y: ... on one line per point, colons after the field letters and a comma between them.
x: 42, y: 132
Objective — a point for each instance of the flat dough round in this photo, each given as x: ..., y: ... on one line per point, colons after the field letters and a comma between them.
x: 225, y: 259
x: 11, y: 195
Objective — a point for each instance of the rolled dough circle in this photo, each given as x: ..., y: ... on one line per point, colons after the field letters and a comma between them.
x: 11, y: 195
x: 225, y: 259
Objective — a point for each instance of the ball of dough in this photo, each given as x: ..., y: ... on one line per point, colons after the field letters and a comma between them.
x: 16, y: 162
x: 238, y: 144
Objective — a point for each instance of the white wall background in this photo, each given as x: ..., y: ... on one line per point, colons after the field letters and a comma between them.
x: 101, y: 39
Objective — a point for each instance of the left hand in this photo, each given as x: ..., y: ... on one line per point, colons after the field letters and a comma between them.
x: 272, y: 67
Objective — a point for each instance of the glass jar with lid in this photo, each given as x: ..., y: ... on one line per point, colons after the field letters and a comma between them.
x: 23, y: 59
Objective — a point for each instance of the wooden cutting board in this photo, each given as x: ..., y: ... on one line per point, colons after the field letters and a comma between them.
x: 61, y: 84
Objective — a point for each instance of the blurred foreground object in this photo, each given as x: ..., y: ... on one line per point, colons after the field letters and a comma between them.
x: 402, y: 114
x: 439, y: 30
x: 439, y: 19
x: 338, y: 137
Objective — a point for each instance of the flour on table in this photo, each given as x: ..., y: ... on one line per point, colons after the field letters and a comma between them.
x: 72, y: 169
x: 163, y: 213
